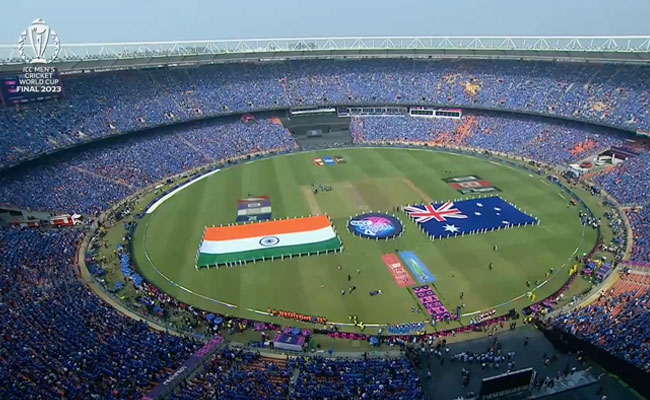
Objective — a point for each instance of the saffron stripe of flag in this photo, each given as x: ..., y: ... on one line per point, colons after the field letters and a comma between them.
x: 267, y: 239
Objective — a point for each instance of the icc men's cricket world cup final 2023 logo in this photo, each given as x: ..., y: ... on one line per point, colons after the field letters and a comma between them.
x: 39, y: 44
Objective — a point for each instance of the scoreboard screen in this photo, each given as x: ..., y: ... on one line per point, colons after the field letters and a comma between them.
x: 13, y: 92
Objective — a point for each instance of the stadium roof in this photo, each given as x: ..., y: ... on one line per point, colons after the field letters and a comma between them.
x: 99, y: 56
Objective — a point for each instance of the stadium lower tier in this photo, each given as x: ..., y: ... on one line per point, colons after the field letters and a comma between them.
x: 59, y: 340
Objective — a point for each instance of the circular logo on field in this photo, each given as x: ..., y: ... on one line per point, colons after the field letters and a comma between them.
x: 269, y: 241
x: 375, y: 226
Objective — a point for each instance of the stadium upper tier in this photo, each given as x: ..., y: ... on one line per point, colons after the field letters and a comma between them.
x: 104, y: 104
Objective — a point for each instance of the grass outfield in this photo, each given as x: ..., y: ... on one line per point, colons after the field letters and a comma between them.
x: 372, y: 179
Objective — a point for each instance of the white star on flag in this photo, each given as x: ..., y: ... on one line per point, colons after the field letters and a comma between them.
x: 477, y: 213
x: 497, y: 209
x: 451, y: 228
x: 505, y: 222
x: 479, y: 204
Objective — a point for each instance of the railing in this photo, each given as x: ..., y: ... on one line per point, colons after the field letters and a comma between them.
x: 9, y: 53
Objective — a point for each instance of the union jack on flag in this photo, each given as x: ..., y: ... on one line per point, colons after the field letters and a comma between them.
x: 465, y: 217
x: 430, y: 212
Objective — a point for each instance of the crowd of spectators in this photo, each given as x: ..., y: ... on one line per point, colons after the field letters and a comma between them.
x: 103, y: 104
x: 339, y: 379
x: 90, y: 180
x: 619, y: 323
x: 542, y: 139
x: 238, y: 374
x: 58, y: 340
x: 640, y: 221
x: 628, y: 183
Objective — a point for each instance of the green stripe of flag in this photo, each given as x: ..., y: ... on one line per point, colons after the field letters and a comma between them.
x: 267, y: 253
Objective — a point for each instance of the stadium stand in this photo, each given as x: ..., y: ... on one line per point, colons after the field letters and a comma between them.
x: 540, y: 139
x: 628, y: 183
x: 58, y: 340
x: 104, y: 104
x: 363, y: 378
x: 238, y: 374
x: 640, y: 221
x: 617, y: 322
x: 90, y: 180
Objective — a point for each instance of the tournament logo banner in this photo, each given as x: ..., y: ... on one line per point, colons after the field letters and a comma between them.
x: 253, y: 209
x: 318, y: 161
x: 471, y: 184
x: 329, y: 161
x: 420, y: 271
x: 339, y: 159
x: 467, y: 217
x: 397, y: 270
x: 38, y: 46
x: 376, y: 226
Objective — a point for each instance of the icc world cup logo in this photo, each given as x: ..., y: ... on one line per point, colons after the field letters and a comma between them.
x: 42, y: 41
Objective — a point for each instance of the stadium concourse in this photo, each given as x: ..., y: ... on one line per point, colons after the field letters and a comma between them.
x: 60, y: 340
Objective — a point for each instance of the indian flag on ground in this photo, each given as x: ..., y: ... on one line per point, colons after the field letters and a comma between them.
x: 267, y: 240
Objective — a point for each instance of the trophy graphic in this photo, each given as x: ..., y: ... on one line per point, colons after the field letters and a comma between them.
x: 40, y: 37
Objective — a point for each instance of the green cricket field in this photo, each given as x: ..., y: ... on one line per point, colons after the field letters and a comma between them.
x: 166, y: 240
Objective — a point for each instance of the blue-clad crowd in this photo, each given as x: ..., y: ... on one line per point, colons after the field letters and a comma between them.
x: 618, y: 323
x: 90, y: 180
x: 549, y: 140
x: 628, y: 182
x: 341, y: 379
x: 235, y: 374
x: 640, y: 221
x: 58, y: 340
x: 102, y: 104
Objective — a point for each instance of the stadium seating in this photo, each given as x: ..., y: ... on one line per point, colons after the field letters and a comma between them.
x: 90, y: 180
x: 235, y: 374
x: 628, y: 183
x: 58, y: 340
x: 103, y: 104
x: 358, y: 379
x: 617, y: 322
x: 640, y: 221
x: 540, y: 139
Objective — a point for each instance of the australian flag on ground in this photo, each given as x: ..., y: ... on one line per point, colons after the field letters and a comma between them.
x: 467, y: 217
